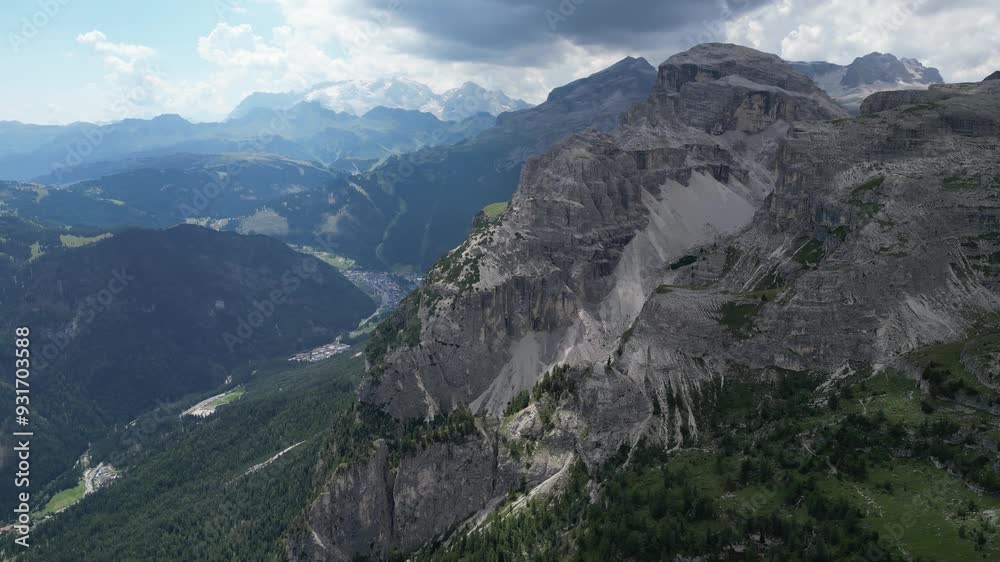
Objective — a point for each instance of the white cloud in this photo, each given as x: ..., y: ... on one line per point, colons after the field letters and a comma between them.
x: 804, y: 43
x: 134, y: 84
x: 960, y: 37
x: 238, y: 45
x: 100, y: 43
x: 348, y: 41
x: 321, y: 40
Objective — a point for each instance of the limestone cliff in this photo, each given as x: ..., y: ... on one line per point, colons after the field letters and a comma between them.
x: 736, y: 222
x: 568, y: 267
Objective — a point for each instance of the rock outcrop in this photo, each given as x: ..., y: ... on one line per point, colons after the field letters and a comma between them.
x: 387, y: 504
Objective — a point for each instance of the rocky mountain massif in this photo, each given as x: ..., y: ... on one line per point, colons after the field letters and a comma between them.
x: 874, y: 72
x: 722, y: 270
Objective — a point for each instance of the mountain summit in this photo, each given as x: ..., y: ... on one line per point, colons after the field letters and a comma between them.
x: 874, y: 72
x: 471, y: 98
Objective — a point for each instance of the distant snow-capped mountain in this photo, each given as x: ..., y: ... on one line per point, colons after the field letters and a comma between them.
x: 361, y: 96
x: 874, y: 72
x: 471, y: 98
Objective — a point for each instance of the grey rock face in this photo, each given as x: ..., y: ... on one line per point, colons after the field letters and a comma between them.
x: 595, y: 102
x: 964, y: 101
x: 994, y: 76
x: 382, y: 505
x: 883, y: 101
x: 715, y: 60
x: 882, y: 204
x: 737, y: 186
x: 879, y: 67
x: 353, y: 515
x: 471, y: 473
x: 568, y: 267
x: 873, y: 244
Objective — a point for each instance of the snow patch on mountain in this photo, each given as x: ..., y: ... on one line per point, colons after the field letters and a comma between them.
x: 361, y: 96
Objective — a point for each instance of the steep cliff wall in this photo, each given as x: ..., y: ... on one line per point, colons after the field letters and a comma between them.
x: 737, y: 223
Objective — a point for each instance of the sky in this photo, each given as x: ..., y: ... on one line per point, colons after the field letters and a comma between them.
x: 105, y: 60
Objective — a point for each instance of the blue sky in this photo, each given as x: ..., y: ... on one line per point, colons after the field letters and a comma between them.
x: 54, y: 70
x: 102, y: 60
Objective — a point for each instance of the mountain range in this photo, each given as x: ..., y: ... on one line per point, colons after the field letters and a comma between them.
x: 402, y: 214
x: 412, y: 208
x: 874, y: 72
x: 396, y: 212
x: 304, y: 131
x: 361, y: 96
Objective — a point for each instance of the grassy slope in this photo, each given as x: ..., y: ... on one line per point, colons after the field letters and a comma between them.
x: 64, y: 499
x: 227, y: 398
x: 494, y: 209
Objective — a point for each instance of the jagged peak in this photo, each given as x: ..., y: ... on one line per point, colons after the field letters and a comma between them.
x: 631, y: 61
x: 471, y: 86
x: 875, y: 54
x: 627, y: 68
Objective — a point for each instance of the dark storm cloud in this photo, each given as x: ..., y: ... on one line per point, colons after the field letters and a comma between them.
x: 517, y: 31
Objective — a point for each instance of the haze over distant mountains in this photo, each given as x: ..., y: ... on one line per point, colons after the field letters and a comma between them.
x: 304, y: 131
x: 406, y: 213
x: 361, y: 96
x: 874, y: 72
x: 350, y: 124
x: 402, y: 214
x: 417, y: 180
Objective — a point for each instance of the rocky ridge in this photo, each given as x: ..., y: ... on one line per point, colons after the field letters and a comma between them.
x: 558, y: 277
